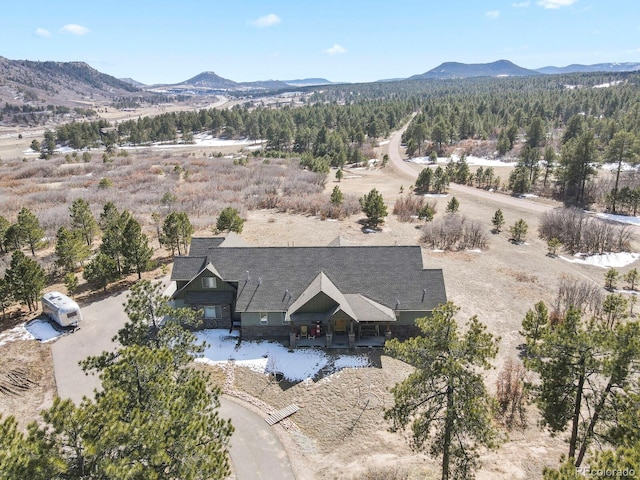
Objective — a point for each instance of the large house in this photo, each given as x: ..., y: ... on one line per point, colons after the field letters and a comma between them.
x: 331, y: 296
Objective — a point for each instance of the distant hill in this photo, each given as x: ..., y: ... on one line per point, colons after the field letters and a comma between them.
x: 133, y: 82
x: 208, y: 80
x: 28, y: 86
x: 265, y: 84
x: 308, y: 82
x: 598, y: 67
x: 469, y: 70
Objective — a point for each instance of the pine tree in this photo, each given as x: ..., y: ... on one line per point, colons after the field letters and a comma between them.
x: 519, y: 231
x: 423, y: 183
x: 155, y: 416
x: 453, y: 206
x: 176, y: 232
x: 373, y: 206
x: 100, y: 271
x: 336, y: 196
x: 6, y: 295
x: 585, y: 368
x: 26, y: 278
x: 29, y: 229
x: 552, y: 246
x: 70, y: 249
x: 611, y: 279
x: 339, y: 175
x: 4, y: 226
x: 444, y: 401
x: 229, y: 220
x: 632, y: 277
x: 497, y: 221
x: 83, y: 220
x: 136, y: 251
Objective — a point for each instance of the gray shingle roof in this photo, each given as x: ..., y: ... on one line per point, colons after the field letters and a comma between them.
x: 185, y: 268
x: 272, y: 278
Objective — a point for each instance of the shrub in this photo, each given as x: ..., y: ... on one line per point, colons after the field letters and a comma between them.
x: 584, y: 295
x: 454, y: 232
x: 578, y: 232
x: 511, y: 395
x: 408, y: 207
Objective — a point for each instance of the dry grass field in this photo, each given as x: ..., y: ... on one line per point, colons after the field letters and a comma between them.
x: 336, y: 434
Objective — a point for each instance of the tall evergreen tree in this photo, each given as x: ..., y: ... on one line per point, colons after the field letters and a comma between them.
x: 26, y: 278
x: 585, y: 368
x: 100, y: 271
x: 83, y: 220
x: 176, y: 232
x: 135, y: 248
x: 444, y: 400
x: 578, y: 157
x: 622, y: 147
x: 70, y: 249
x: 4, y: 226
x: 30, y: 232
x: 155, y: 417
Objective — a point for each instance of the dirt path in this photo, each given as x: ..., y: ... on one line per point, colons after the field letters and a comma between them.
x: 412, y: 170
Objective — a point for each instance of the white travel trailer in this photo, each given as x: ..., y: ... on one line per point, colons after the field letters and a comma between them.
x: 61, y: 309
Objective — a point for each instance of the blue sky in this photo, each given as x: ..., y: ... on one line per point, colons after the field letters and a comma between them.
x: 341, y: 40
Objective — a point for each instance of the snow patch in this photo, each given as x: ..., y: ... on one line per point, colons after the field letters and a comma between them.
x: 471, y: 161
x: 266, y: 357
x: 619, y: 218
x: 605, y: 260
x: 42, y: 330
x: 15, y: 334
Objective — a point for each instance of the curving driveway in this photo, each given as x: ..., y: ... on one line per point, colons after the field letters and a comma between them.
x: 256, y: 451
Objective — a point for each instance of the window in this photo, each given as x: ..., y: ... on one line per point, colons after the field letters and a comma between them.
x: 214, y: 311
x: 209, y: 282
x: 264, y: 318
x: 285, y: 320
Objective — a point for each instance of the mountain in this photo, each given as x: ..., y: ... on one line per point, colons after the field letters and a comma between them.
x: 34, y: 85
x: 501, y: 68
x: 265, y: 84
x: 133, y: 82
x: 598, y: 67
x: 208, y: 80
x: 307, y: 82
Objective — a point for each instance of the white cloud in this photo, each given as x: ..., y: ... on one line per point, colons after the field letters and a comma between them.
x: 74, y: 29
x: 521, y: 5
x: 267, y: 20
x: 41, y: 32
x: 336, y: 49
x: 492, y: 14
x: 554, y: 4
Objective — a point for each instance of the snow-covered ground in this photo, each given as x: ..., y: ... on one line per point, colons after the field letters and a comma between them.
x: 37, y: 329
x: 620, y: 218
x: 42, y: 330
x: 266, y: 357
x: 612, y: 167
x: 200, y: 140
x: 471, y: 161
x: 15, y: 334
x: 606, y: 260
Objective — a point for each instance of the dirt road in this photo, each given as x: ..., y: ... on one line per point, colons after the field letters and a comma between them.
x: 412, y: 170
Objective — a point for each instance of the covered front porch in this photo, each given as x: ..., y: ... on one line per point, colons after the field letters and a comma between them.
x: 324, y: 316
x: 338, y: 333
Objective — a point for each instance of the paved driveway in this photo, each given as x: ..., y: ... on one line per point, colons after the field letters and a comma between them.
x: 256, y: 452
